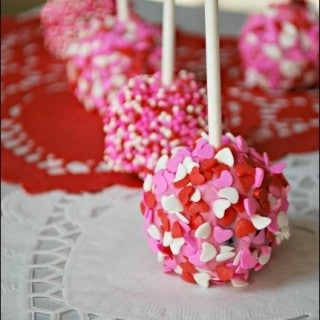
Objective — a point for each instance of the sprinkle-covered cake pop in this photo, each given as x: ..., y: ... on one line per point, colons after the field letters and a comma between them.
x: 66, y: 21
x: 213, y: 215
x: 147, y: 119
x: 102, y: 64
x: 280, y: 47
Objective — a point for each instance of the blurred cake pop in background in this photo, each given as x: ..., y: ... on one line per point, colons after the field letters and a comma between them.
x: 279, y: 47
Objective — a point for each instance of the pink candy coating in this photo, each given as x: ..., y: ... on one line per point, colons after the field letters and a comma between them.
x: 101, y: 64
x: 66, y: 21
x: 213, y: 215
x: 279, y: 48
x: 147, y: 120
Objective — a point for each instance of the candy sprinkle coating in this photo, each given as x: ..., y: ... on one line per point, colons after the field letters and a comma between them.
x: 216, y: 229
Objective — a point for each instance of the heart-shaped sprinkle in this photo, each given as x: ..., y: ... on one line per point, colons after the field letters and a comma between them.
x: 196, y: 177
x: 181, y: 173
x: 196, y: 196
x: 167, y: 239
x: 185, y: 194
x: 220, y: 206
x: 239, y: 283
x: 236, y: 259
x: 208, y: 252
x: 225, y: 256
x: 189, y: 164
x: 258, y: 177
x: 259, y: 238
x: 150, y: 199
x: 241, y: 144
x: 225, y: 180
x: 176, y: 230
x: 147, y: 184
x: 188, y: 277
x: 265, y: 255
x: 208, y: 164
x: 229, y: 216
x: 188, y: 267
x: 224, y: 273
x: 160, y: 256
x: 260, y: 222
x: 161, y: 163
x: 226, y: 249
x: 178, y: 270
x: 250, y: 205
x: 203, y: 231
x: 160, y: 183
x: 176, y: 245
x: 243, y: 228
x: 196, y: 221
x: 171, y: 204
x: 202, y: 279
x: 173, y: 163
x: 247, y: 261
x: 203, y: 152
x: 221, y: 235
x: 181, y: 217
x: 153, y: 232
x: 225, y: 156
x: 230, y: 194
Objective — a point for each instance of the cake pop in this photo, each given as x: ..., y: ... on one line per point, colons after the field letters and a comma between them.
x: 279, y: 48
x: 213, y: 211
x: 102, y: 63
x: 65, y: 22
x: 147, y: 120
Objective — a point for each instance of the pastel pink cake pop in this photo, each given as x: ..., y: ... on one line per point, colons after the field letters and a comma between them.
x: 279, y: 48
x: 65, y: 22
x: 212, y: 215
x: 147, y: 119
x: 102, y: 64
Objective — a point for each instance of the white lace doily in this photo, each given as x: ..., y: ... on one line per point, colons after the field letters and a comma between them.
x: 70, y: 257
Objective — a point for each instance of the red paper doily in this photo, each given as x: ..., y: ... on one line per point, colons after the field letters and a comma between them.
x: 49, y: 141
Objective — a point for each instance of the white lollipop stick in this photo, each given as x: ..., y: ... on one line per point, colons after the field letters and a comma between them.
x: 168, y: 42
x: 213, y: 72
x: 122, y: 10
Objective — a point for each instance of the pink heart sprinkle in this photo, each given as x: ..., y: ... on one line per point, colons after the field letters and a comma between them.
x: 159, y: 182
x: 173, y: 163
x: 259, y: 238
x: 247, y: 261
x: 277, y: 168
x: 168, y: 176
x: 225, y: 180
x: 258, y: 177
x: 222, y: 235
x: 169, y: 265
x: 250, y: 205
x: 241, y: 144
x: 203, y: 152
x: 194, y: 259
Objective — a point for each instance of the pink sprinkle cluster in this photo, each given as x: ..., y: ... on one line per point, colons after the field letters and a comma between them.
x: 280, y: 47
x: 65, y: 22
x: 147, y: 120
x: 101, y: 64
x: 212, y: 215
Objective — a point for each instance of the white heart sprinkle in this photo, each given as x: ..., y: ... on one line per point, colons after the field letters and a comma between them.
x: 147, y: 184
x: 264, y: 259
x: 181, y: 217
x: 208, y: 252
x: 161, y: 163
x: 230, y: 194
x: 154, y: 232
x: 189, y: 164
x: 236, y: 259
x: 181, y: 173
x: 167, y: 239
x: 260, y: 222
x: 203, y: 231
x: 226, y: 249
x: 196, y: 196
x: 225, y: 156
x: 202, y: 279
x: 220, y: 206
x: 160, y: 256
x: 282, y: 219
x: 225, y: 256
x: 178, y: 270
x: 272, y: 51
x: 239, y: 283
x: 171, y: 204
x: 176, y: 245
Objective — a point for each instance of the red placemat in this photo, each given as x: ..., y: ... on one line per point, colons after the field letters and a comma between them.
x: 49, y: 141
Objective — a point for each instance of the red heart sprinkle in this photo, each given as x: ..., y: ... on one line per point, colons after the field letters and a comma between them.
x: 229, y: 216
x: 219, y: 168
x: 243, y: 228
x: 196, y: 221
x: 186, y: 276
x: 150, y: 199
x: 224, y: 273
x: 239, y: 205
x: 176, y: 230
x: 165, y: 222
x: 185, y: 194
x: 182, y: 183
x: 207, y: 174
x: 246, y: 182
x: 188, y: 267
x: 196, y: 177
x: 142, y: 208
x: 243, y: 169
x: 208, y: 164
x: 195, y: 207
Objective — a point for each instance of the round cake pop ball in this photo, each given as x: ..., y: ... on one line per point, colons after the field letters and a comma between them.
x: 65, y: 22
x: 280, y: 47
x: 213, y: 215
x: 101, y: 64
x: 147, y: 120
